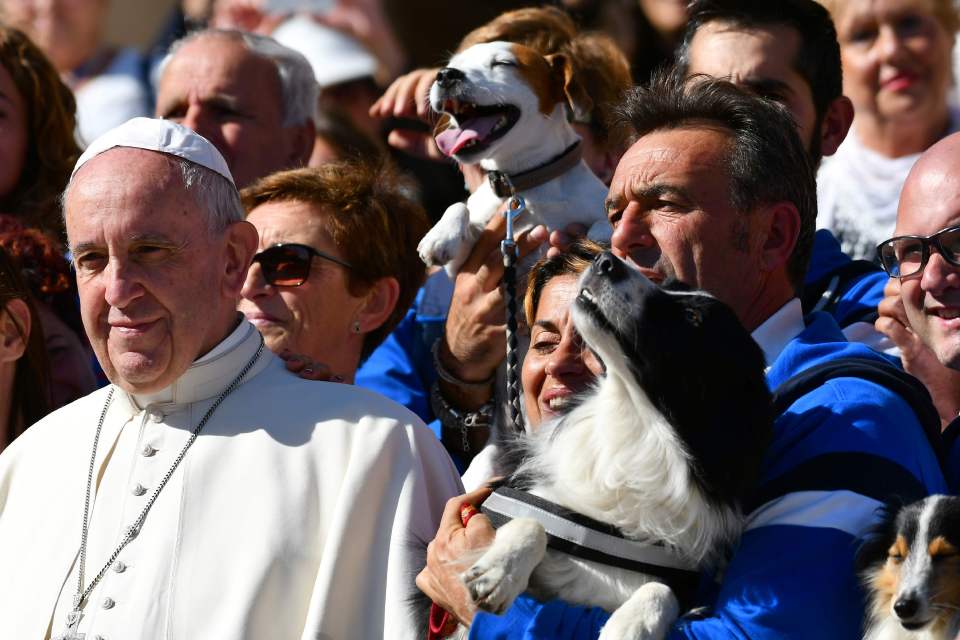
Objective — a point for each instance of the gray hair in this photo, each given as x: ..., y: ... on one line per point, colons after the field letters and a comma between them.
x: 298, y: 84
x: 216, y: 196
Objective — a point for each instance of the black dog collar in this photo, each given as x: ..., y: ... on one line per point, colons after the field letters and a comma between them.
x: 583, y: 537
x: 506, y: 185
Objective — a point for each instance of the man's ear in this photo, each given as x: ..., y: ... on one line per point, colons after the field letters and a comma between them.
x: 14, y: 330
x: 380, y: 302
x: 835, y: 125
x: 569, y: 88
x: 242, y: 239
x: 302, y: 138
x: 783, y: 229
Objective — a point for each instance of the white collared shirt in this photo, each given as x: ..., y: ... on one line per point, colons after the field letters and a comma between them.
x: 776, y: 332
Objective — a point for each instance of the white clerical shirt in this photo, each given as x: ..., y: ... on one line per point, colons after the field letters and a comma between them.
x: 302, y: 510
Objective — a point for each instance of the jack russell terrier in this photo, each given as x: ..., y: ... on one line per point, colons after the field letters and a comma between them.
x: 507, y: 110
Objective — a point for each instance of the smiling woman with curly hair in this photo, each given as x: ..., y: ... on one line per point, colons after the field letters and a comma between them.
x: 37, y: 123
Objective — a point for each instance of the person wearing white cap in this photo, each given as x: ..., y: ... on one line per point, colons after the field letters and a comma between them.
x: 252, y: 97
x: 206, y: 492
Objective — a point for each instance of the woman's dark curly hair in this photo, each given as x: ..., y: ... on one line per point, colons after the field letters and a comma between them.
x: 52, y: 149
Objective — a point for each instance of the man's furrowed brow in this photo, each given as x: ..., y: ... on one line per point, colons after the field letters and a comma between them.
x: 767, y: 87
x: 657, y: 191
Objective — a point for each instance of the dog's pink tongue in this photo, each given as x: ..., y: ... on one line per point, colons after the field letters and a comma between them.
x: 452, y: 140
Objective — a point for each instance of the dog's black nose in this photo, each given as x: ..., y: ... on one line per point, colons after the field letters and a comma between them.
x: 906, y: 607
x: 449, y: 76
x: 608, y: 265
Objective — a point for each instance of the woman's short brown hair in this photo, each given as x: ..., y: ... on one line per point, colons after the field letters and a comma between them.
x: 371, y: 219
x: 52, y: 149
x: 572, y: 262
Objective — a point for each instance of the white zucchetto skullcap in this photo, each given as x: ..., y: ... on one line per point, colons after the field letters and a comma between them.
x: 163, y: 136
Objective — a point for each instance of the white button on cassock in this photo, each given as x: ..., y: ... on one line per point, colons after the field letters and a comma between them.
x: 119, y: 567
x: 139, y: 489
x: 147, y: 451
x: 108, y: 603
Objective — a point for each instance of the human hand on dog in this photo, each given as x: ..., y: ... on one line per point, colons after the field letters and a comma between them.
x: 918, y: 359
x: 452, y: 552
x: 408, y: 97
x: 307, y: 369
x: 475, y: 334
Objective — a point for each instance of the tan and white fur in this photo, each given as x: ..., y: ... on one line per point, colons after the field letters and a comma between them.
x: 534, y: 92
x: 913, y: 573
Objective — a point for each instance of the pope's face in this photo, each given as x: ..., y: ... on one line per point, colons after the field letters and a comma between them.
x: 150, y: 275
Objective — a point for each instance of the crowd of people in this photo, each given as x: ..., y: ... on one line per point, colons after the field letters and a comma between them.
x: 235, y: 403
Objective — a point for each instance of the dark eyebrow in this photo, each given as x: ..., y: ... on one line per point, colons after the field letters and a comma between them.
x: 83, y: 247
x: 766, y: 86
x: 659, y: 190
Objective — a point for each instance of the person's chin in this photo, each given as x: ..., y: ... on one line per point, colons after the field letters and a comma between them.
x: 140, y: 373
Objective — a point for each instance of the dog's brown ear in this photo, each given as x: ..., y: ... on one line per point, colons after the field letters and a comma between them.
x: 568, y: 87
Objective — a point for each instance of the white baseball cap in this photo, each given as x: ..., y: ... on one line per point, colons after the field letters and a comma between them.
x: 334, y: 56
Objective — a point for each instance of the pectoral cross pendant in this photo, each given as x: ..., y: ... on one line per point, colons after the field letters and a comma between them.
x: 73, y: 622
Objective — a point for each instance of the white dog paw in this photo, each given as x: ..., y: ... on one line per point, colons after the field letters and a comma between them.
x: 448, y: 239
x: 647, y: 615
x: 493, y: 586
x: 502, y: 573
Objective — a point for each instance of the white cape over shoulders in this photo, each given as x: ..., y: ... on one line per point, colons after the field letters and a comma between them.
x: 303, y: 510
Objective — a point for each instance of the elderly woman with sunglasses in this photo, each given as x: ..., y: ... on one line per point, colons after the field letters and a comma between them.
x: 337, y: 267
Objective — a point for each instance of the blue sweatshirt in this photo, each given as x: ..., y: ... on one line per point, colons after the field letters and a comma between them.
x: 859, y: 295
x: 401, y: 368
x: 837, y: 454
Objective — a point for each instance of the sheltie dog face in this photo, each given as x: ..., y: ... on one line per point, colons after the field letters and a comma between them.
x: 913, y: 572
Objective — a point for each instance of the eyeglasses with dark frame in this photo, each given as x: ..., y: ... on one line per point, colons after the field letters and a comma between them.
x: 288, y: 265
x: 905, y: 256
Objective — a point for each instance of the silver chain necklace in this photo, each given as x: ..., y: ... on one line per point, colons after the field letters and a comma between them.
x: 130, y: 532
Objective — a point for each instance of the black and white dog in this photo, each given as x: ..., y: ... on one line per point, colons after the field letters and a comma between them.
x: 641, y: 483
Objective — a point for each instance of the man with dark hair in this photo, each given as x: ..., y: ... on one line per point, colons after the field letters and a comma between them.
x: 717, y: 190
x: 788, y: 52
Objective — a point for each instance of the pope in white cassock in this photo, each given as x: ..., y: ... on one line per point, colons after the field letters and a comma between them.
x: 207, y: 492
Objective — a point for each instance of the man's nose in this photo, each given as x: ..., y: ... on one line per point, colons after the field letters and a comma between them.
x: 198, y: 119
x: 632, y: 234
x: 939, y: 275
x: 122, y: 286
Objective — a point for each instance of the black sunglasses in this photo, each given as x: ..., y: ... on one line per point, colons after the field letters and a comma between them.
x: 288, y: 265
x: 905, y: 256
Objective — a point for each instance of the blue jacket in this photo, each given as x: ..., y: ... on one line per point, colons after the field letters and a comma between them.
x: 402, y: 368
x: 856, y: 297
x: 837, y: 454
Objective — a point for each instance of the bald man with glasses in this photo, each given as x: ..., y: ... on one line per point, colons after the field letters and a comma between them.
x: 921, y: 310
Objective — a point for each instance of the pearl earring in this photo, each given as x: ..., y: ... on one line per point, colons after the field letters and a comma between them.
x: 356, y: 326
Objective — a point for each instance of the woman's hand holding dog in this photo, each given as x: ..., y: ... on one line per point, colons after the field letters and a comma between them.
x: 452, y: 552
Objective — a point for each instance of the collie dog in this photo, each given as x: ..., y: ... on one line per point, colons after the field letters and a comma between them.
x: 911, y: 568
x: 639, y: 486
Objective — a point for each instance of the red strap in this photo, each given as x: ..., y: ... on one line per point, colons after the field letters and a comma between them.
x: 442, y: 624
